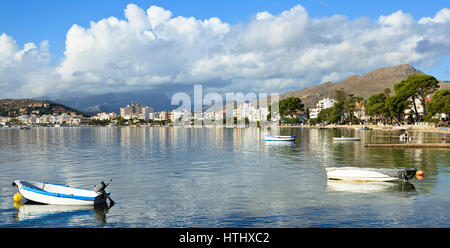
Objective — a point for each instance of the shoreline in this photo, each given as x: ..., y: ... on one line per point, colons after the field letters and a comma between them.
x: 385, y: 128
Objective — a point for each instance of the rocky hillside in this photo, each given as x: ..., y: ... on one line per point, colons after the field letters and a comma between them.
x: 364, y: 85
x: 17, y: 107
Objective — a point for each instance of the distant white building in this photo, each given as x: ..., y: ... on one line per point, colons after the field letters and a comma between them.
x: 314, y: 113
x: 147, y: 113
x: 162, y: 116
x: 420, y: 108
x: 64, y: 118
x: 23, y: 118
x: 3, y: 120
x: 322, y: 104
x: 326, y: 103
x: 250, y: 111
x: 178, y: 115
x: 104, y: 116
x: 136, y: 111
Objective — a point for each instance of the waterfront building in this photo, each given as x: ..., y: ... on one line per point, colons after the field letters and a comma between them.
x: 104, y: 116
x: 146, y: 113
x: 322, y: 104
x: 419, y: 106
x: 44, y: 119
x: 219, y: 115
x: 250, y: 111
x: 162, y: 116
x: 179, y: 115
x: 64, y: 118
x: 360, y: 111
x: 136, y: 111
x: 4, y: 120
x: 23, y: 118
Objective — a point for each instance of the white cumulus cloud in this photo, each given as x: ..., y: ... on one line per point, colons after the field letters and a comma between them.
x: 152, y: 48
x: 19, y: 66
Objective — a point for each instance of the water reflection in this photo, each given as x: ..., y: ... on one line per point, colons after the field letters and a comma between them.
x: 279, y: 143
x: 369, y: 187
x: 43, y: 212
x: 216, y: 177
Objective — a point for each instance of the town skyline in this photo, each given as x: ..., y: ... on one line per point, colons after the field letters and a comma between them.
x: 206, y: 108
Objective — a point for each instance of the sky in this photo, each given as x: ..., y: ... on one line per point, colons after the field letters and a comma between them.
x: 82, y: 47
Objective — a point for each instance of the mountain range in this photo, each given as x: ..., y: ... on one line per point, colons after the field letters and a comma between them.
x: 112, y: 102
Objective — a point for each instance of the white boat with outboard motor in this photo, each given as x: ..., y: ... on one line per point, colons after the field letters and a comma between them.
x: 56, y: 194
x: 342, y: 138
x: 370, y: 174
x: 280, y: 138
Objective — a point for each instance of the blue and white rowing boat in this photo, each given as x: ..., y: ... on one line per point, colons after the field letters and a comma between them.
x: 49, y: 193
x: 280, y: 138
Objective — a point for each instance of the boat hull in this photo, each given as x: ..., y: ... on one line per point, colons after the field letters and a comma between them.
x: 54, y: 194
x: 369, y: 174
x: 280, y: 138
x: 346, y: 139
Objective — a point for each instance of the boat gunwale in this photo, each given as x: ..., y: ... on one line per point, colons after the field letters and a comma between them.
x: 281, y: 137
x: 53, y: 194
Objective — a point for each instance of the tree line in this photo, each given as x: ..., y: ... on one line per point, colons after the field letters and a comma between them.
x: 387, y: 108
x: 382, y: 107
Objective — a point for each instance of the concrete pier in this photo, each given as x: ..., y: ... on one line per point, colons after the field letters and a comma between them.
x: 406, y: 145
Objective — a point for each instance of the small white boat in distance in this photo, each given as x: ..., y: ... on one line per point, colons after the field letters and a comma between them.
x: 280, y: 138
x: 401, y: 128
x: 56, y: 194
x: 346, y: 139
x: 369, y: 174
x: 363, y: 128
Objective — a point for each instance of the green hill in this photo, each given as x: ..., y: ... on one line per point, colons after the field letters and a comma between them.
x: 18, y: 107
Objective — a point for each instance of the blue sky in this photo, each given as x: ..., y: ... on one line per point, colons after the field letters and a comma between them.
x: 35, y: 21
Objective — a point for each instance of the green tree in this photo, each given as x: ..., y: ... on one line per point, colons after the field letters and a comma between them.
x: 119, y: 120
x: 291, y: 107
x: 387, y: 92
x: 98, y: 122
x: 440, y: 103
x: 396, y: 106
x: 350, y: 107
x: 417, y: 87
x: 313, y: 121
x: 336, y: 113
x: 340, y: 95
x: 15, y: 122
x: 376, y: 106
x: 324, y: 115
x: 343, y: 110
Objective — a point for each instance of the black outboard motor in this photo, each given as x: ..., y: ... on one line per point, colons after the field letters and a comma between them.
x: 406, y: 174
x: 100, y: 189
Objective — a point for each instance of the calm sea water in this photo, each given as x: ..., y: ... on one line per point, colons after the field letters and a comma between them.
x: 221, y: 177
